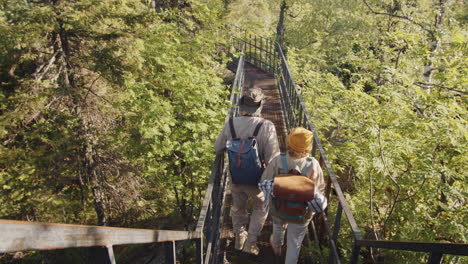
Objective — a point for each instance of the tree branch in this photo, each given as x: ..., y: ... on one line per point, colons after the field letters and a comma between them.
x: 95, y: 94
x: 34, y: 116
x: 371, y: 187
x: 423, y: 27
x: 43, y: 70
x: 395, y: 198
x: 428, y: 85
x: 308, y: 44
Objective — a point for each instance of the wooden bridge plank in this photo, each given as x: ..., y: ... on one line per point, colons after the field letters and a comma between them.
x: 272, y: 109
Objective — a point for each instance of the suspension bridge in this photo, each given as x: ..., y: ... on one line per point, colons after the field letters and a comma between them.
x: 262, y: 64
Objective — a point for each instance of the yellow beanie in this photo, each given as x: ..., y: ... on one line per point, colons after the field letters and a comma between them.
x: 300, y: 139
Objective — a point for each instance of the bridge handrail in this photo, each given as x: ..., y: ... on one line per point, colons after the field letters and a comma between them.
x: 25, y: 236
x: 238, y: 83
x: 210, y: 214
x: 208, y: 195
x: 437, y: 248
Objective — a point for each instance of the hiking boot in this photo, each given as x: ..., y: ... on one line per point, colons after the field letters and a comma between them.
x: 251, y: 246
x: 240, y: 240
x: 276, y: 249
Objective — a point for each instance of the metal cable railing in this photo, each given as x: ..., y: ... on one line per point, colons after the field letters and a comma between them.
x: 209, y: 219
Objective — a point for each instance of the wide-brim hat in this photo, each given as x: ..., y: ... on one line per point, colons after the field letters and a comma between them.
x: 252, y: 101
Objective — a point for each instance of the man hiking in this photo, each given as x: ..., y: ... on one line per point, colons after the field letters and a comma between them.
x: 251, y: 142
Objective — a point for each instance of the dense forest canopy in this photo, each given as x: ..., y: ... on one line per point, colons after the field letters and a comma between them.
x: 109, y: 109
x: 385, y: 81
x: 386, y: 84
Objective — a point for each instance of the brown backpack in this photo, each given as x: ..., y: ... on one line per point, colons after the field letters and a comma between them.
x: 291, y: 193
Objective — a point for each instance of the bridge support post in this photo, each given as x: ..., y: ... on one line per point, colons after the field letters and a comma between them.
x: 355, y: 255
x: 102, y: 255
x: 336, y: 230
x: 169, y: 252
x: 110, y: 252
x: 199, y: 243
x: 435, y: 258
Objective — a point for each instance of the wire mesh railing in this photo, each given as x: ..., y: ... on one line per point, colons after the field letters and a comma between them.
x: 259, y: 51
x: 210, y: 219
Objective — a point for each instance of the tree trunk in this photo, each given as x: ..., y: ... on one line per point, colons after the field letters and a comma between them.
x: 280, y: 26
x: 435, y: 43
x: 88, y: 154
x: 93, y: 176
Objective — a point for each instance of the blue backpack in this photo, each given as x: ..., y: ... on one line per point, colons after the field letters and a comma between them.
x: 245, y: 164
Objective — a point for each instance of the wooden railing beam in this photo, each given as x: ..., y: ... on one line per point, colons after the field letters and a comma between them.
x: 24, y: 236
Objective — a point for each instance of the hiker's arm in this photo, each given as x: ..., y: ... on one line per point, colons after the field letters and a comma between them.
x: 319, y: 203
x: 270, y: 142
x: 220, y: 143
x: 270, y: 170
x: 316, y: 174
x: 319, y: 181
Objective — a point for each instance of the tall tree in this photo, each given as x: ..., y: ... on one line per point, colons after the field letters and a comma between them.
x: 61, y: 82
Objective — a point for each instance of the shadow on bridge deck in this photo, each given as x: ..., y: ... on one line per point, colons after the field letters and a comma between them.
x: 273, y: 112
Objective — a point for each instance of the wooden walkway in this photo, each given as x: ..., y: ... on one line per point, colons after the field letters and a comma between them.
x: 273, y: 112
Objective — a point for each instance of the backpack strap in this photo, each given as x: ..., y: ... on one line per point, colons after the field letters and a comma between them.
x: 240, y: 154
x: 257, y: 128
x: 233, y: 131
x: 285, y: 163
x: 231, y: 126
x: 307, y: 166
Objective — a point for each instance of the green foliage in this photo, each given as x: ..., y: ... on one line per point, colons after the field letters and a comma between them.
x: 112, y: 107
x: 256, y: 16
x: 107, y: 106
x: 399, y: 142
x: 179, y: 101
